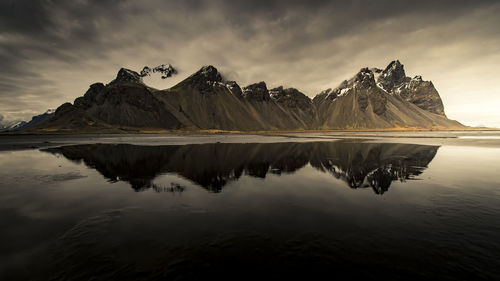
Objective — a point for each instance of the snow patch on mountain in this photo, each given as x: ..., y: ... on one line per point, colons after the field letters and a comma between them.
x: 10, y: 125
x: 343, y: 92
x: 164, y: 70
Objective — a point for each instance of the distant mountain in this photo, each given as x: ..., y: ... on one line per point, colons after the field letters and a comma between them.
x: 372, y: 99
x: 39, y: 119
x: 35, y: 121
x: 12, y: 126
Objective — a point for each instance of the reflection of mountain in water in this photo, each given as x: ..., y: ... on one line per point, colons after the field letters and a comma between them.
x: 373, y: 165
x: 214, y: 165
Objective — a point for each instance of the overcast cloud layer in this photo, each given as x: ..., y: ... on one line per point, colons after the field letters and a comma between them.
x: 51, y: 51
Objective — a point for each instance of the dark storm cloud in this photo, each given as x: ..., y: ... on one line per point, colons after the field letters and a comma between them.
x: 51, y: 50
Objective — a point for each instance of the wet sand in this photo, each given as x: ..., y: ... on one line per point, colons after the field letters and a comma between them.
x: 454, y: 138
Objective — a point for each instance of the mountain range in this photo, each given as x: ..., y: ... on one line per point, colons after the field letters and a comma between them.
x: 23, y: 125
x: 372, y: 99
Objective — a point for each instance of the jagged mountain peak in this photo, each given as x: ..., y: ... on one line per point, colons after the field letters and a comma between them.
x: 259, y: 86
x: 256, y: 92
x: 364, y: 76
x: 364, y: 79
x: 127, y: 76
x: 280, y: 92
x: 417, y: 78
x: 204, y: 80
x: 394, y: 65
x: 422, y: 93
x: 209, y: 73
x: 393, y: 75
x: 276, y: 90
x: 290, y: 97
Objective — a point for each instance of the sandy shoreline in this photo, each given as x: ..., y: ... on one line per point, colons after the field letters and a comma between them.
x: 482, y: 138
x: 216, y: 131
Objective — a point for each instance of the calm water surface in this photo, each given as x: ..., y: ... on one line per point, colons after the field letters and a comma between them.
x: 237, y: 211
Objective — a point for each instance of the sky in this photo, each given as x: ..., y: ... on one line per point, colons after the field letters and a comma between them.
x: 52, y: 50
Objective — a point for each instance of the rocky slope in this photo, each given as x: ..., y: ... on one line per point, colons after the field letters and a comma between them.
x: 362, y: 102
x: 205, y: 101
x: 415, y: 90
x: 372, y: 99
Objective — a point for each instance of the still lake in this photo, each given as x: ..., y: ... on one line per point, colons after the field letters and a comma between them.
x: 345, y: 208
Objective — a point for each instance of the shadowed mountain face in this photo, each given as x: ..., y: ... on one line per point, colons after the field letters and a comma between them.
x: 212, y: 166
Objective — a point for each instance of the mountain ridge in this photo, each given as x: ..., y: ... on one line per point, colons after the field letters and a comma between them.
x: 371, y: 99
